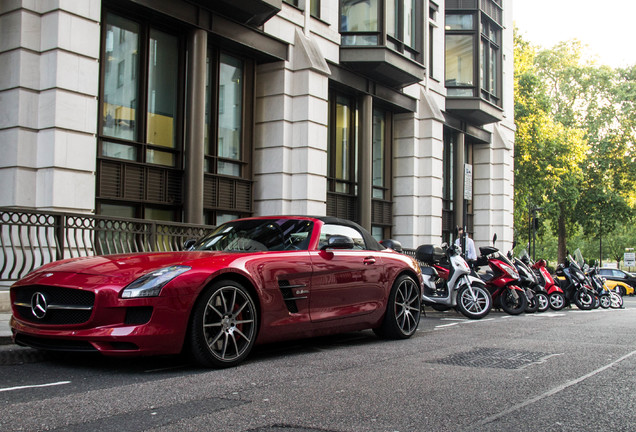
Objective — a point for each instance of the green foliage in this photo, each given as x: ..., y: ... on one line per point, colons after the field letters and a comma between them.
x: 575, y: 152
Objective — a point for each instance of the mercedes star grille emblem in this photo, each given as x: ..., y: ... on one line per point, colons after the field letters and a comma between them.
x: 38, y: 305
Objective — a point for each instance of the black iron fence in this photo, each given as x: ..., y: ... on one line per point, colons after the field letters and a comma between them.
x: 31, y: 238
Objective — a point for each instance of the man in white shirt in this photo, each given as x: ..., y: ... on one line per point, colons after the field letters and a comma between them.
x: 470, y: 253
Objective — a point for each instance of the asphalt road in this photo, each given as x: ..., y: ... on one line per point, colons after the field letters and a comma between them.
x: 556, y: 371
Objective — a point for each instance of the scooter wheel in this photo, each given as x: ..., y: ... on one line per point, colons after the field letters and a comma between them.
x: 557, y: 301
x: 544, y: 301
x: 475, y: 305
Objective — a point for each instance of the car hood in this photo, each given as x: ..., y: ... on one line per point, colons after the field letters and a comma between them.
x: 131, y: 266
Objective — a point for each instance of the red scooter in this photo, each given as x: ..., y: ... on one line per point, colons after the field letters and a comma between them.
x: 556, y: 296
x: 502, y: 280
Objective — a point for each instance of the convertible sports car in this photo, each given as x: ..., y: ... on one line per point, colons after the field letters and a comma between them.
x: 253, y: 280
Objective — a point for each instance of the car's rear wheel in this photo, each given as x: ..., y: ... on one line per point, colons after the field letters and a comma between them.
x: 224, y: 325
x: 403, y: 310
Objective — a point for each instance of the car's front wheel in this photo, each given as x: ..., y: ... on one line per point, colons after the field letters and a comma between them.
x: 224, y: 325
x: 403, y: 310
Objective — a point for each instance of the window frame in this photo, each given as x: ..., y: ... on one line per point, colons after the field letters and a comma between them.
x: 382, y: 38
x: 138, y: 143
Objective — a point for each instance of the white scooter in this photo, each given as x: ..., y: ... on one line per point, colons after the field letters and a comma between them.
x: 449, y: 284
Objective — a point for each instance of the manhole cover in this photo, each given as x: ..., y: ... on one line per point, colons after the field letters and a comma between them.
x: 493, y: 358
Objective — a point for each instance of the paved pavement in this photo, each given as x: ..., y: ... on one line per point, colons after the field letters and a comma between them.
x: 5, y: 331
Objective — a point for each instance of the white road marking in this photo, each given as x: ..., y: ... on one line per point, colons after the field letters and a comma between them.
x: 549, y: 393
x: 34, y: 386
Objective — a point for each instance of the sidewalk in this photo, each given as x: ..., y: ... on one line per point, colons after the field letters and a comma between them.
x: 5, y: 331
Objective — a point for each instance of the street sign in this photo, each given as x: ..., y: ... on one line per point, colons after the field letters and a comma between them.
x: 468, y: 182
x: 629, y: 258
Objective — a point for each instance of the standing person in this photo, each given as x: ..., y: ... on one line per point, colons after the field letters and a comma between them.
x: 470, y: 253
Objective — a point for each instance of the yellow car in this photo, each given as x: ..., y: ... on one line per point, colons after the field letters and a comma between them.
x: 623, y: 288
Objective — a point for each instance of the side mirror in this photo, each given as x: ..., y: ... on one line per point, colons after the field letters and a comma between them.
x: 494, y: 239
x: 187, y: 245
x: 338, y: 242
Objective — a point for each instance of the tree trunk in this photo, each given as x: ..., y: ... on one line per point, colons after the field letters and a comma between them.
x: 562, y: 247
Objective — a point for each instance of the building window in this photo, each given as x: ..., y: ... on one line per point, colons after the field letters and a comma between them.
x: 343, y: 169
x: 227, y: 182
x: 401, y: 26
x: 224, y: 152
x: 490, y: 59
x: 459, y: 65
x: 433, y: 10
x: 473, y: 51
x: 140, y: 140
x: 315, y: 8
x: 342, y: 148
x: 460, y: 59
x: 359, y: 17
x: 395, y: 24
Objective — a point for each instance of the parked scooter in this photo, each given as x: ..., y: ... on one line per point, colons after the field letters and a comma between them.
x: 449, y: 284
x: 556, y: 297
x: 604, y: 296
x: 575, y: 285
x: 502, y: 280
x: 537, y: 296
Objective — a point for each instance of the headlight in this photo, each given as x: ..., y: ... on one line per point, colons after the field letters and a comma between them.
x: 150, y: 285
x: 512, y: 272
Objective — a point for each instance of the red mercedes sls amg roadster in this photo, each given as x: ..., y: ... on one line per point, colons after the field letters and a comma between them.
x: 254, y: 280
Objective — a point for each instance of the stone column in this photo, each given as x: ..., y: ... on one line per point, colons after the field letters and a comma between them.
x: 49, y: 75
x: 290, y: 150
x: 365, y: 161
x: 195, y: 124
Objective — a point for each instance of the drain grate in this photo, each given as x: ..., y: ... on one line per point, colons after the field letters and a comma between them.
x: 493, y: 358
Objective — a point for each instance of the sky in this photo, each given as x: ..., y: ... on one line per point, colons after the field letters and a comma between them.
x: 606, y: 26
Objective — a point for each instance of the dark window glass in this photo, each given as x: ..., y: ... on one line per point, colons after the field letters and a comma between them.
x: 121, y: 89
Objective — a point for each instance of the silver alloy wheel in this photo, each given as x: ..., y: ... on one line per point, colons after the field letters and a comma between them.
x: 557, y: 302
x: 478, y: 304
x: 544, y: 303
x: 407, y: 306
x: 229, y: 324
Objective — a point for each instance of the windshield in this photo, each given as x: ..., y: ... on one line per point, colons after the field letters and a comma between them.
x: 578, y: 256
x: 252, y: 235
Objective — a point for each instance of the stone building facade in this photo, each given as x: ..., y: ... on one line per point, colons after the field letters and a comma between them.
x: 397, y: 114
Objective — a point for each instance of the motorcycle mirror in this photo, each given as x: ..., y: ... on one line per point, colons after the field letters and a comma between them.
x: 494, y: 239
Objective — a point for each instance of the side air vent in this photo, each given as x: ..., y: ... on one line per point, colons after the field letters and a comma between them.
x: 287, y: 290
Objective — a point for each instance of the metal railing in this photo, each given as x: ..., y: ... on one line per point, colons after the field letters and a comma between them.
x: 32, y: 238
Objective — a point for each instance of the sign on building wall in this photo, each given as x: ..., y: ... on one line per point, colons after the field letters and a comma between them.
x: 629, y: 258
x: 468, y: 182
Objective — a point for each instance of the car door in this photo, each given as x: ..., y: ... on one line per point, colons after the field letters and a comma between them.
x: 345, y: 282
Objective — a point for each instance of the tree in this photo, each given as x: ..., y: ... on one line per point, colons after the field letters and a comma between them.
x: 548, y: 154
x: 575, y: 152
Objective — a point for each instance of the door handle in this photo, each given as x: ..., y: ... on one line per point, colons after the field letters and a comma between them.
x: 369, y: 260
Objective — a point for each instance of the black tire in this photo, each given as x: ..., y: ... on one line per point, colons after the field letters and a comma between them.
x: 596, y: 303
x: 533, y: 303
x: 606, y: 301
x: 513, y: 301
x: 224, y: 325
x: 557, y: 301
x: 403, y: 310
x: 583, y: 299
x: 475, y: 307
x: 544, y: 301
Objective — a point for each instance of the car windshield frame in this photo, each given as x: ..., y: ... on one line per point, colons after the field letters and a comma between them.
x: 258, y: 235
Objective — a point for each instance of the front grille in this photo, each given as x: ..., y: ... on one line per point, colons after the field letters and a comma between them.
x: 64, y: 305
x: 53, y: 344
